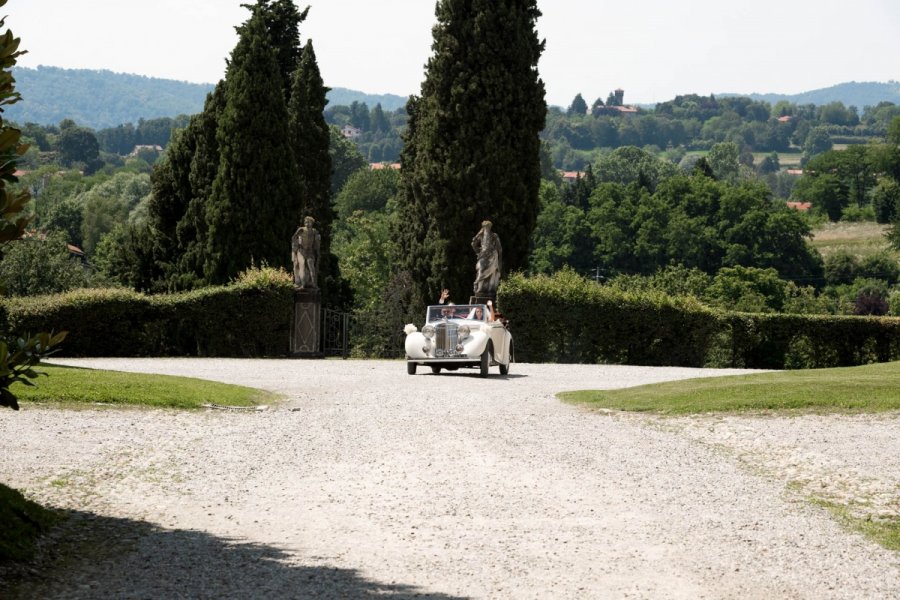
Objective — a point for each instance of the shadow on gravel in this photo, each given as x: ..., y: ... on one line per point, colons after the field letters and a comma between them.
x: 91, y: 556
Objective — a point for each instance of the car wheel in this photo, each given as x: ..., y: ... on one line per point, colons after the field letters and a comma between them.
x: 504, y: 369
x: 485, y: 361
x: 411, y: 368
x: 436, y: 370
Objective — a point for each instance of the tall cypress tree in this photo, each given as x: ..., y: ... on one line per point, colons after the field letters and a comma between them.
x: 283, y: 24
x: 472, y: 150
x: 310, y: 139
x: 255, y: 201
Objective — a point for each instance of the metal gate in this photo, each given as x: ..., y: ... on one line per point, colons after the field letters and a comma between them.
x: 335, y: 338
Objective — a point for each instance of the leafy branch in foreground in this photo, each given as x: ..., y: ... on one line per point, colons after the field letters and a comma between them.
x: 18, y: 366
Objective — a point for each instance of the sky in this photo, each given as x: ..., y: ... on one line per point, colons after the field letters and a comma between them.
x: 654, y: 50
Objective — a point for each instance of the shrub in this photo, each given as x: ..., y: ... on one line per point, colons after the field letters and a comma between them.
x: 251, y: 317
x: 566, y: 318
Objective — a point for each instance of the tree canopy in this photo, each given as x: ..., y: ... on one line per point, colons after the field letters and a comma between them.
x: 472, y: 150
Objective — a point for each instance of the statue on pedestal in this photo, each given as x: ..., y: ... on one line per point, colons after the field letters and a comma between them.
x: 305, y: 252
x: 487, y: 246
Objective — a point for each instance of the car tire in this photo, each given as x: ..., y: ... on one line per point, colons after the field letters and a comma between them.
x: 485, y: 361
x: 436, y: 370
x: 504, y: 369
x: 411, y: 368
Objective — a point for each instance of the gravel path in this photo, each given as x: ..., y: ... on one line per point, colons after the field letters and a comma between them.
x: 367, y: 482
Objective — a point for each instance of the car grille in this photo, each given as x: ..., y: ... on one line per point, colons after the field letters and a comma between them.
x: 446, y: 337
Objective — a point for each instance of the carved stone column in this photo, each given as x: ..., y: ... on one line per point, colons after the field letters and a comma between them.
x: 305, y: 324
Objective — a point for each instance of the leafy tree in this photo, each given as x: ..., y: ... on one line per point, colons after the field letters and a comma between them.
x: 41, y: 265
x: 111, y: 203
x: 748, y: 289
x: 561, y: 236
x: 880, y: 265
x: 723, y: 160
x: 16, y: 365
x: 472, y: 148
x: 77, y: 145
x: 886, y: 200
x: 817, y: 141
x: 842, y: 267
x: 367, y: 190
x: 345, y: 160
x: 578, y: 106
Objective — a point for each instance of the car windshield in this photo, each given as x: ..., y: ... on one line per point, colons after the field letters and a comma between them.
x: 472, y: 312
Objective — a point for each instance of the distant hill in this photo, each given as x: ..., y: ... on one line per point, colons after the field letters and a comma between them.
x: 100, y: 99
x: 858, y: 94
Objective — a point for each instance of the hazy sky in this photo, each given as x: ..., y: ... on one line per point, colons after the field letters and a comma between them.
x: 653, y: 49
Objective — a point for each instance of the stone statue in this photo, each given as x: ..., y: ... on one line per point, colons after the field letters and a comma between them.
x: 305, y: 252
x: 487, y: 246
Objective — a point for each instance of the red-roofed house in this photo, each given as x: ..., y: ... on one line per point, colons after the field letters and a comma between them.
x: 801, y: 206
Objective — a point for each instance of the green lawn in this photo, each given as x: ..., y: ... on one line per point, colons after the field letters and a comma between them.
x: 70, y: 385
x: 870, y: 388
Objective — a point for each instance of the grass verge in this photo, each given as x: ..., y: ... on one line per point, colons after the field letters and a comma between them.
x: 23, y: 521
x: 869, y: 388
x: 884, y: 531
x: 73, y: 385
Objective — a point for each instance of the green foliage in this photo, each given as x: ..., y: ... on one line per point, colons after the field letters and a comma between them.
x: 366, y: 206
x: 748, y: 289
x: 566, y: 318
x: 256, y: 200
x: 19, y: 359
x: 41, y: 265
x: 248, y: 318
x: 700, y: 223
x: 841, y: 267
x: 111, y: 203
x: 472, y: 150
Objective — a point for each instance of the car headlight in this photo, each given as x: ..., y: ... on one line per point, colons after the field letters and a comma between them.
x: 428, y: 331
x: 463, y: 331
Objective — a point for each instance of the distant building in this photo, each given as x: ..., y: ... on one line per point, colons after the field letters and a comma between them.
x: 381, y: 165
x: 801, y: 206
x: 794, y: 171
x: 617, y: 106
x: 350, y: 132
x: 140, y: 147
x: 571, y: 176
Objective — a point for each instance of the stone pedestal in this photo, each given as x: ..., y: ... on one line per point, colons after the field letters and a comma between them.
x: 305, y: 324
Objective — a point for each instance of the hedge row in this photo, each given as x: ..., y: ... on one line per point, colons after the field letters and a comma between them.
x: 566, y: 318
x: 242, y: 319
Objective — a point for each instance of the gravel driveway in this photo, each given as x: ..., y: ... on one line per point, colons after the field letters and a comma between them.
x: 366, y: 482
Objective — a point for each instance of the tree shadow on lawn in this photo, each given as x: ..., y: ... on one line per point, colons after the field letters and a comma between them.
x: 92, y: 556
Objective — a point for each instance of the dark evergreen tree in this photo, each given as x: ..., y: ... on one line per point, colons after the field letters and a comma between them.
x: 472, y: 149
x: 578, y: 106
x: 283, y: 23
x: 256, y: 200
x: 310, y: 140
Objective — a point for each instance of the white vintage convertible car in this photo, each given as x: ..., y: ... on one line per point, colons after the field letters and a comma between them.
x: 457, y: 336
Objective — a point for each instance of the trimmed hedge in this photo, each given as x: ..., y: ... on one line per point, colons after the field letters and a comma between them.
x: 243, y: 319
x: 567, y: 318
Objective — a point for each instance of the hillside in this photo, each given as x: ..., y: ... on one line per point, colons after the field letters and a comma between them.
x: 858, y: 94
x: 100, y: 99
